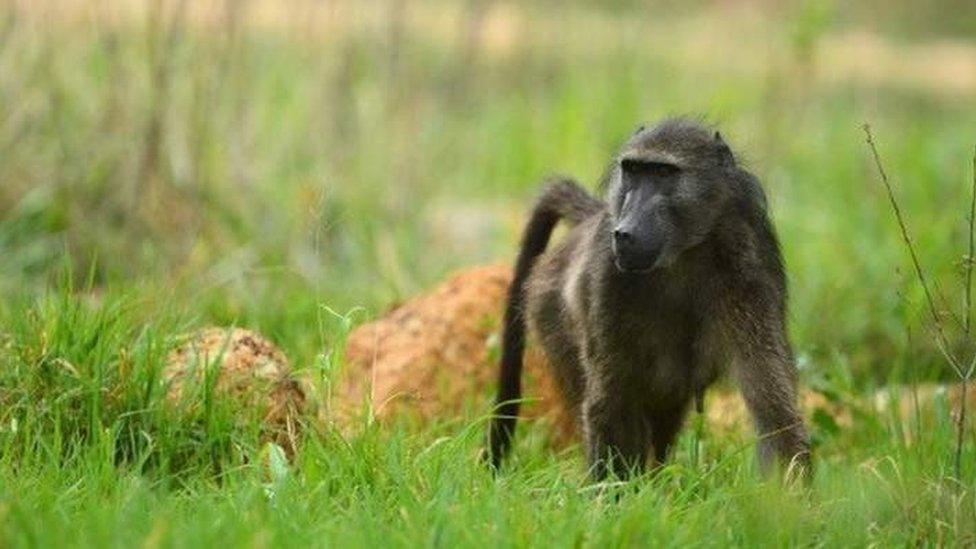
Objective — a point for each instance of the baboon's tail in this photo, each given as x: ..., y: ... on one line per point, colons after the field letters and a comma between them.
x: 562, y: 199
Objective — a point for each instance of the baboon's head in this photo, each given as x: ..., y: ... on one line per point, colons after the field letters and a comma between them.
x: 670, y: 185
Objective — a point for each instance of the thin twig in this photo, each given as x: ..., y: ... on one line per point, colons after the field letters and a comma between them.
x: 940, y: 340
x: 961, y: 428
x: 969, y: 258
x: 949, y: 358
x: 908, y: 243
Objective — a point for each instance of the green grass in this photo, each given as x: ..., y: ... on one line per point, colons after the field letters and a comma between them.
x: 297, y: 166
x: 91, y: 454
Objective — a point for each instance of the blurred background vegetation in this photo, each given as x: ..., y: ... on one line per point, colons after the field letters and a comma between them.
x: 251, y: 160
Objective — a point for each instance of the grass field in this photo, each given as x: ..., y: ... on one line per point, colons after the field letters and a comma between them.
x: 296, y: 168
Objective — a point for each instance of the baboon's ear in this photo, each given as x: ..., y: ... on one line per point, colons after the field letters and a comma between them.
x: 639, y: 129
x: 724, y: 151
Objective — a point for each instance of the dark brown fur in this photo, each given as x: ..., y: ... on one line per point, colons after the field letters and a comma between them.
x: 635, y: 328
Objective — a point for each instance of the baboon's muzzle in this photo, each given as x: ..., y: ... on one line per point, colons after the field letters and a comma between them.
x: 634, y: 250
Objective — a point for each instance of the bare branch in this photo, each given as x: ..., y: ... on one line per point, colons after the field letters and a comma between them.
x: 953, y: 363
x: 961, y: 426
x: 969, y: 258
x: 943, y: 341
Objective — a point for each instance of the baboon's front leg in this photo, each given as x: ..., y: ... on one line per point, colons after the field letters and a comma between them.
x: 749, y: 328
x: 617, y: 437
x: 767, y: 379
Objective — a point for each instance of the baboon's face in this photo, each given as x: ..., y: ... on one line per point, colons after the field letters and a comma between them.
x: 665, y: 198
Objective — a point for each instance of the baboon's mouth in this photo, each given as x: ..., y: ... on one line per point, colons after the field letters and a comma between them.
x: 627, y: 267
x: 642, y: 263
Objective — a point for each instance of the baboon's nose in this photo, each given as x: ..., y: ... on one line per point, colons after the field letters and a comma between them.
x: 622, y: 236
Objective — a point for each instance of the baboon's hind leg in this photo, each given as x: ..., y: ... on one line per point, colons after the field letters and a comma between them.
x: 551, y: 326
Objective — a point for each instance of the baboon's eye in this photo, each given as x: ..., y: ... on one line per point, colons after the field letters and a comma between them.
x: 648, y: 168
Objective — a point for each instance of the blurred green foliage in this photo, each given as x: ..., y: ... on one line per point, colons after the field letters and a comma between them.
x: 248, y: 155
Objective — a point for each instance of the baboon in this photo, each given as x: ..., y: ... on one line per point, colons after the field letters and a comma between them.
x: 649, y: 297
